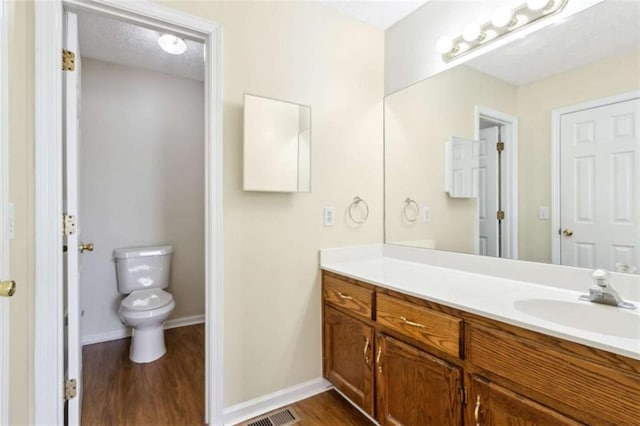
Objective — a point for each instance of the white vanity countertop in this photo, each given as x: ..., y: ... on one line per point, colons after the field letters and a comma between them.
x: 545, y: 309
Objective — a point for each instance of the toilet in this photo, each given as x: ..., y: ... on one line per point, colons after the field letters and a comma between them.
x: 142, y: 273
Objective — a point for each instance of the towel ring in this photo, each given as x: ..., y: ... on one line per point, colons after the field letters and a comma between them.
x: 407, y: 205
x: 356, y: 201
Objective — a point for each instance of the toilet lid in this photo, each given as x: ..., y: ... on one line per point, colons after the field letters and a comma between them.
x: 145, y: 300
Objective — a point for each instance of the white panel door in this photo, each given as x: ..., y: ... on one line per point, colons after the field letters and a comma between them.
x: 73, y: 346
x: 600, y: 194
x: 487, y: 186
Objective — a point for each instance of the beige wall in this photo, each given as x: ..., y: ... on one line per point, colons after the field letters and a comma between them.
x: 298, y: 51
x: 141, y: 183
x: 21, y: 175
x: 608, y: 77
x: 418, y: 122
x: 304, y: 53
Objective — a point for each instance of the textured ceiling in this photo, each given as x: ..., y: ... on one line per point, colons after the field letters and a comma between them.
x: 122, y: 43
x: 605, y: 30
x: 379, y: 13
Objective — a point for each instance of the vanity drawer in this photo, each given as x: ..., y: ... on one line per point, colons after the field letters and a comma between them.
x: 356, y: 299
x: 436, y: 329
x: 585, y: 386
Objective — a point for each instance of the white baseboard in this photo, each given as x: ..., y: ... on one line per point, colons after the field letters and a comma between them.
x: 184, y: 321
x: 124, y: 332
x: 254, y: 407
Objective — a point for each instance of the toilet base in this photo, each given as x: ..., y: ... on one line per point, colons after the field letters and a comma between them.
x: 147, y: 344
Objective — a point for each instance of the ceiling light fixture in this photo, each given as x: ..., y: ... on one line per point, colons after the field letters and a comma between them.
x: 172, y: 44
x: 503, y: 21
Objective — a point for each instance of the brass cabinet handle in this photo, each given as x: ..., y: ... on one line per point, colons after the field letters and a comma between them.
x: 366, y: 350
x: 7, y: 288
x: 567, y: 232
x: 476, y: 412
x: 344, y: 296
x: 86, y: 247
x: 378, y: 363
x: 414, y: 324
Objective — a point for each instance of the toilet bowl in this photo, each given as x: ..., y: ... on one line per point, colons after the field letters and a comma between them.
x: 142, y: 273
x: 146, y: 311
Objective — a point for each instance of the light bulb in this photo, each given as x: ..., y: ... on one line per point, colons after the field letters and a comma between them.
x: 502, y: 17
x: 444, y: 45
x: 471, y: 32
x: 172, y: 44
x: 537, y: 4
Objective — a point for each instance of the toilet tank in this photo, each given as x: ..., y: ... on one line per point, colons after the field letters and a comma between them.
x: 139, y: 268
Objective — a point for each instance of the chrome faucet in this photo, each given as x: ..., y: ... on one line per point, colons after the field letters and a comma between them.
x: 602, y: 292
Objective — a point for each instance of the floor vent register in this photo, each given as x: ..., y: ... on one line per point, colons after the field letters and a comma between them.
x: 284, y: 417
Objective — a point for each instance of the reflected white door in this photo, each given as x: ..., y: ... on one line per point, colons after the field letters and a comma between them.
x: 486, y: 181
x: 600, y: 193
x: 73, y: 346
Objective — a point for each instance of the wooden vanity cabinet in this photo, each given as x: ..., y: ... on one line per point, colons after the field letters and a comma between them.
x: 348, y: 357
x: 494, y: 405
x: 411, y: 362
x: 415, y: 388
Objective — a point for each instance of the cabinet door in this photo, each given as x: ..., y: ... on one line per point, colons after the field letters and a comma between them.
x: 490, y: 404
x: 415, y: 388
x: 348, y: 357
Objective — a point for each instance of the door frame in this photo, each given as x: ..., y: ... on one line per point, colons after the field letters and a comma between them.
x: 49, y: 350
x: 5, y: 330
x: 556, y: 203
x: 510, y: 183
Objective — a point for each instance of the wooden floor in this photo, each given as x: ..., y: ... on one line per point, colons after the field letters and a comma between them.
x: 169, y: 391
x: 327, y: 409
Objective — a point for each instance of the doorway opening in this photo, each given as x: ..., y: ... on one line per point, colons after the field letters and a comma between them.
x: 496, y: 134
x: 51, y: 335
x: 133, y: 180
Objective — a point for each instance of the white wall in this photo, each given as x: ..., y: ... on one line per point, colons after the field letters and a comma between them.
x: 141, y: 183
x: 410, y: 44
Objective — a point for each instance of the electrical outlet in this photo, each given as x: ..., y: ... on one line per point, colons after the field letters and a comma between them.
x: 329, y: 216
x: 426, y: 215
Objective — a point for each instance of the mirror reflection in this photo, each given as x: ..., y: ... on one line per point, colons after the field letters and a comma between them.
x: 277, y: 145
x: 529, y: 151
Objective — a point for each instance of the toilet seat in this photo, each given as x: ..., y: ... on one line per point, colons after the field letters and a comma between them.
x: 146, y: 300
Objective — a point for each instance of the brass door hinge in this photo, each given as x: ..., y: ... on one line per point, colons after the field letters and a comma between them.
x: 70, y: 389
x: 500, y: 146
x: 69, y: 225
x: 500, y: 215
x: 68, y: 60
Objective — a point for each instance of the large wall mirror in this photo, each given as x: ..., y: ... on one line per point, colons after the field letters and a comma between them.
x: 551, y: 131
x: 277, y: 145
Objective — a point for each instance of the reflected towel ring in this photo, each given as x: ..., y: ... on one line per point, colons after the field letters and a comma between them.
x: 356, y: 201
x: 407, y: 204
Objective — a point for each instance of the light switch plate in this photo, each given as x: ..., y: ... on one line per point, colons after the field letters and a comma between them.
x: 329, y: 216
x: 543, y: 213
x: 11, y: 222
x: 426, y: 215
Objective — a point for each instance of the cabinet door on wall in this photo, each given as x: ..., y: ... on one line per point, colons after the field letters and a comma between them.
x: 490, y: 404
x: 348, y: 357
x: 415, y: 388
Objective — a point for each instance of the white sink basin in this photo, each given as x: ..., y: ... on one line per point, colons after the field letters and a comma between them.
x: 587, y: 316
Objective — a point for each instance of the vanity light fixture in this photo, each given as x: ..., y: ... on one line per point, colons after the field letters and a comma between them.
x: 172, y: 44
x: 503, y: 21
